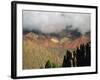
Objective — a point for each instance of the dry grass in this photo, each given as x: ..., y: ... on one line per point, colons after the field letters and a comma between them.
x: 38, y: 50
x: 36, y: 56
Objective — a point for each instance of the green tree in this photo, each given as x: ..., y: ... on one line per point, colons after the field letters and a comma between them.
x: 48, y: 64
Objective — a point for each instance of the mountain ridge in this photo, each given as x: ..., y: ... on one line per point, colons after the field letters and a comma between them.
x: 54, y: 42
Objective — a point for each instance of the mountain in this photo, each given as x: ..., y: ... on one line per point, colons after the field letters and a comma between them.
x: 67, y: 32
x: 55, y: 42
x: 77, y: 42
x: 30, y: 36
x: 39, y: 48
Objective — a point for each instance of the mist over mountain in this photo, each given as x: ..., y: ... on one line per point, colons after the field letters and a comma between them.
x: 70, y: 33
x: 55, y: 23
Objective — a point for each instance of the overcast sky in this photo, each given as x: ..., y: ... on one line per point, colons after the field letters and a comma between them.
x: 54, y: 22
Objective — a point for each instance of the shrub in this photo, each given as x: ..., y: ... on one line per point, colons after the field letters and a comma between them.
x: 48, y: 64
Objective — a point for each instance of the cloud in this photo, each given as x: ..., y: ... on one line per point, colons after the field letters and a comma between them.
x: 55, y: 22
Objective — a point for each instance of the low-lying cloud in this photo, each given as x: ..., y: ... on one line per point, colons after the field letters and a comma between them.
x: 55, y: 22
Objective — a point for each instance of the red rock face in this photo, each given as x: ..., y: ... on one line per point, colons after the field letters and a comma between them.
x: 48, y: 43
x: 77, y: 42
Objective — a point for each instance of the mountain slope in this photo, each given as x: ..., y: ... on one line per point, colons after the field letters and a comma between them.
x: 77, y: 42
x: 38, y: 49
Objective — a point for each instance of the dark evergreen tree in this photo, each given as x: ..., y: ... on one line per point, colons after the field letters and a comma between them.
x: 88, y: 55
x: 67, y: 59
x: 78, y: 56
x: 64, y: 61
x: 48, y: 64
x: 74, y: 59
x: 82, y: 55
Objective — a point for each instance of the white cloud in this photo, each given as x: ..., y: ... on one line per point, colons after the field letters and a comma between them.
x: 54, y: 22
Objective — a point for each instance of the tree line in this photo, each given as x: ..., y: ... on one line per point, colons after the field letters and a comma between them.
x: 79, y: 57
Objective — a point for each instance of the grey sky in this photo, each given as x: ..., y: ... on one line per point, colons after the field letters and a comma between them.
x: 54, y: 22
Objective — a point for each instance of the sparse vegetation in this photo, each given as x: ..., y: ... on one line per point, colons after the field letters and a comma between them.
x: 36, y: 56
x: 39, y: 52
